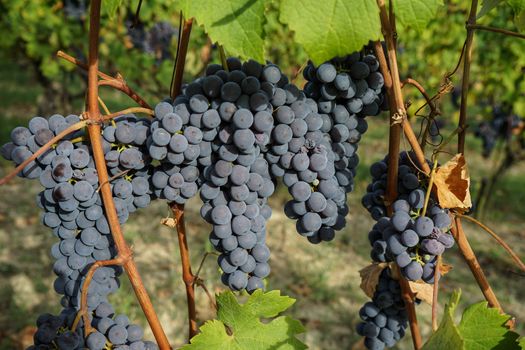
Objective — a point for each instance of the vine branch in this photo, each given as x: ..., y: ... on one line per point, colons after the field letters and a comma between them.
x: 496, y: 30
x: 397, y: 117
x: 178, y: 209
x: 107, y: 80
x: 94, y: 131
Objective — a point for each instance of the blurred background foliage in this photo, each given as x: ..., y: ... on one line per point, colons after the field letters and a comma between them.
x: 324, y: 278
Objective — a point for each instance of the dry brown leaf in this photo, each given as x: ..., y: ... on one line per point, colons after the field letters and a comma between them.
x: 370, y: 277
x: 452, y: 183
x: 422, y: 291
x: 170, y: 222
x: 445, y: 268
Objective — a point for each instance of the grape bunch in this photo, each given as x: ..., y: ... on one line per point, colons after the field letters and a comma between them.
x: 75, y: 9
x: 213, y: 138
x: 156, y: 40
x: 346, y: 90
x: 73, y: 208
x: 384, y: 319
x: 500, y: 127
x: 410, y: 238
x: 54, y: 332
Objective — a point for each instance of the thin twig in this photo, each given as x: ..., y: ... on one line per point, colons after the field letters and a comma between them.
x: 421, y: 89
x: 116, y: 176
x: 498, y: 239
x: 435, y: 292
x: 201, y: 284
x: 121, y: 85
x: 496, y: 30
x: 94, y: 131
x: 472, y: 262
x: 142, y: 110
x: 202, y: 262
x: 429, y: 189
x: 44, y: 148
x: 79, y: 63
x: 467, y: 60
x: 187, y: 275
x: 104, y: 107
x: 107, y: 80
x: 83, y: 312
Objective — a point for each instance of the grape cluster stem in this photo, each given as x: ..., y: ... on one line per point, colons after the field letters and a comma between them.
x: 180, y: 58
x: 187, y: 275
x: 178, y: 209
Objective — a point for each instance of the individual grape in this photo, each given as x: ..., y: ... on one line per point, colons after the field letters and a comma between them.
x: 409, y: 238
x: 117, y: 334
x: 413, y: 271
x: 400, y: 220
x: 401, y: 205
x: 96, y: 341
x: 446, y: 239
x: 271, y: 73
x: 432, y: 246
x: 301, y: 191
x: 326, y: 73
x: 237, y: 280
x: 261, y: 253
x: 221, y: 215
x: 442, y: 221
x: 424, y: 226
x: 417, y: 199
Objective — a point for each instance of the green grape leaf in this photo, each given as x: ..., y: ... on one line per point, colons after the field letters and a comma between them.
x: 447, y: 335
x: 237, y: 25
x: 331, y: 28
x: 484, y: 328
x: 416, y: 13
x: 239, y: 326
x: 488, y: 5
x: 110, y: 7
x: 480, y: 328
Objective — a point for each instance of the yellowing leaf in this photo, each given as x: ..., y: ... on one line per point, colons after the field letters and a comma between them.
x: 370, y: 277
x: 422, y: 291
x: 170, y: 222
x: 452, y: 183
x: 445, y: 268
